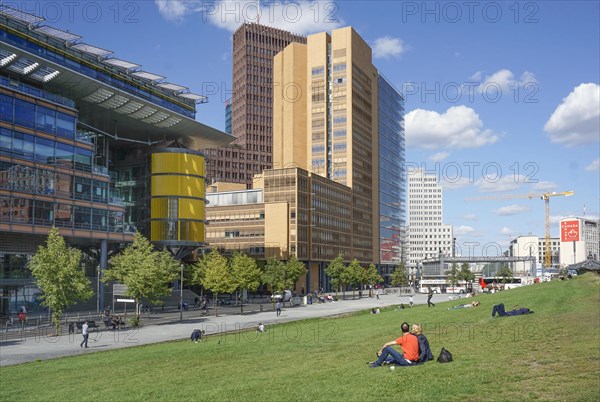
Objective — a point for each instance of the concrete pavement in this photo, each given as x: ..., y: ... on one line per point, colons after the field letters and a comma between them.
x: 42, y: 345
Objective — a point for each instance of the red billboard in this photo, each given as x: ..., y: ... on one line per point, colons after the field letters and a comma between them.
x: 569, y: 230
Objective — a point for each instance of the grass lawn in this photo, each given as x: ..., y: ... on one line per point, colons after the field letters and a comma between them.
x: 553, y: 354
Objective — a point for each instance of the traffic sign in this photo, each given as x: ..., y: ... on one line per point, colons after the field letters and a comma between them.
x: 119, y: 289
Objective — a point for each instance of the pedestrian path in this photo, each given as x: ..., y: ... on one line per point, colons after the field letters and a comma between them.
x: 42, y: 345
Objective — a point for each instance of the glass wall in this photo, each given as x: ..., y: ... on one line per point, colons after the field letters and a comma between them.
x: 28, y: 114
x: 43, y: 150
x: 21, y: 210
x: 392, y: 187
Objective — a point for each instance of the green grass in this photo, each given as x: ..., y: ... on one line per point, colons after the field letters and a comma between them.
x: 553, y: 354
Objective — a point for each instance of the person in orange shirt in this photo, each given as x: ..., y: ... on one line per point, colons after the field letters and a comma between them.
x: 410, y: 348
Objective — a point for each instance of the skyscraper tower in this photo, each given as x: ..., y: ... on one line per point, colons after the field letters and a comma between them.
x: 254, y: 47
x: 338, y: 86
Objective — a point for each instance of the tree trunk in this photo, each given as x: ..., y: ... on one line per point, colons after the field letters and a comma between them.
x: 215, y: 302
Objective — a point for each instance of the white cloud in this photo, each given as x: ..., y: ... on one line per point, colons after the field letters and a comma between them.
x: 544, y: 186
x: 299, y: 16
x: 576, y: 121
x: 512, y: 209
x: 470, y: 217
x: 440, y: 156
x: 476, y: 76
x: 463, y: 230
x: 594, y: 166
x: 172, y: 10
x: 506, y: 231
x: 455, y: 184
x: 388, y: 47
x: 555, y: 219
x: 498, y: 183
x: 503, y: 80
x: 457, y: 127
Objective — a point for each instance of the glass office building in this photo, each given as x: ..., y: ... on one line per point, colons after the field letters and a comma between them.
x: 95, y: 146
x: 392, y: 177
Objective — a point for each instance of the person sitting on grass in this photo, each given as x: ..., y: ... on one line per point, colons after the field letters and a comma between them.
x: 261, y: 327
x: 197, y: 335
x: 425, y: 353
x: 499, y: 308
x: 410, y: 348
x: 474, y: 304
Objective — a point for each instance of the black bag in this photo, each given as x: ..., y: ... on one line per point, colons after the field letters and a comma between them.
x: 445, y: 356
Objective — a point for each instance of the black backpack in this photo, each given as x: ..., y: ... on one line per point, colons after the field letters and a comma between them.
x: 445, y: 356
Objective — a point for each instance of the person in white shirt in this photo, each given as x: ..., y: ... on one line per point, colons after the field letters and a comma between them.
x: 85, y: 333
x: 261, y: 327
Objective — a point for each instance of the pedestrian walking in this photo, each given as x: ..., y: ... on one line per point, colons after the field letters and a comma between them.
x: 429, y: 296
x: 278, y: 308
x: 85, y: 333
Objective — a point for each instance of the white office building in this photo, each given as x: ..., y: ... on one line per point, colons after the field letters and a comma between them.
x: 427, y: 234
x: 587, y: 245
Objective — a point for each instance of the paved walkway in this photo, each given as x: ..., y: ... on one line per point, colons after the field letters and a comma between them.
x: 42, y: 345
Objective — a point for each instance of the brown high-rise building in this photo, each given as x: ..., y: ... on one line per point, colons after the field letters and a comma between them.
x: 254, y: 47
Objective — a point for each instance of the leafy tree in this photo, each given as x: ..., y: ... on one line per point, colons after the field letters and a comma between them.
x: 400, y: 275
x: 245, y: 274
x: 371, y: 277
x: 212, y: 272
x: 354, y: 274
x: 505, y: 274
x: 294, y: 269
x: 145, y: 271
x: 453, y: 274
x: 466, y: 274
x: 274, y: 275
x: 334, y: 271
x: 58, y: 275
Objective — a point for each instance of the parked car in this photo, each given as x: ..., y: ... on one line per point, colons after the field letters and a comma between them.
x: 284, y: 296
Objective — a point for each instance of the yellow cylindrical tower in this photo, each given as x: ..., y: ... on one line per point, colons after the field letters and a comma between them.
x: 178, y: 197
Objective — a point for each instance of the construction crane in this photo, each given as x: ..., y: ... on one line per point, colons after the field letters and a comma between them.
x: 543, y: 196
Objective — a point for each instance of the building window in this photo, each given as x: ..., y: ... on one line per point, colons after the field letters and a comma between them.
x: 316, y: 71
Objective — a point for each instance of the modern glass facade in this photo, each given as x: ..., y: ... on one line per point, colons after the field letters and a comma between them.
x: 228, y: 116
x: 47, y: 170
x: 78, y: 132
x: 392, y: 177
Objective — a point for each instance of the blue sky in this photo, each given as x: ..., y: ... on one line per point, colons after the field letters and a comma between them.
x: 501, y: 97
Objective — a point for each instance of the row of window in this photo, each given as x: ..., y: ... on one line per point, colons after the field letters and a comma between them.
x: 28, y: 114
x: 44, y: 213
x: 42, y: 150
x: 28, y: 179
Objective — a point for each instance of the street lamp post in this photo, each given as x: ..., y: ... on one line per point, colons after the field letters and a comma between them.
x: 98, y: 292
x: 181, y: 294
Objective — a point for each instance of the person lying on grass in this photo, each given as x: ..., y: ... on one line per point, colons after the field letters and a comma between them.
x: 499, y: 308
x: 474, y: 304
x: 410, y: 348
